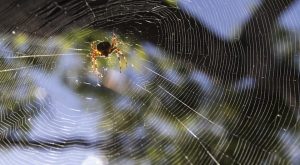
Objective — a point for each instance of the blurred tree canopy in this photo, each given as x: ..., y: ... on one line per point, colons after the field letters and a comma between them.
x: 204, y: 116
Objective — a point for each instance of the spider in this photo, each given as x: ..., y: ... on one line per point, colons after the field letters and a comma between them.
x: 104, y: 49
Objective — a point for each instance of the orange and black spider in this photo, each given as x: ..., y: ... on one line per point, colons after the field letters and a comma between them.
x: 104, y: 49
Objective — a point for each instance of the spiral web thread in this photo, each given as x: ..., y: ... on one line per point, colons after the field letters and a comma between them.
x: 188, y: 95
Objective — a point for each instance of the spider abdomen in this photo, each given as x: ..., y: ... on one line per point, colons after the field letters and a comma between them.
x: 104, y: 48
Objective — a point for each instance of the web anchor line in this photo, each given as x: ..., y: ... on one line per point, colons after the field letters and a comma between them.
x: 191, y: 132
x: 87, y: 4
x: 187, y: 105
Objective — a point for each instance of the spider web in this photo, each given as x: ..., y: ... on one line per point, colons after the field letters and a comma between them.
x: 207, y: 82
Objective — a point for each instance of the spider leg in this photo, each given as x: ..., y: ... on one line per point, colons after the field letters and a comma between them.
x: 114, y: 41
x: 121, y: 53
x: 119, y: 61
x: 93, y: 55
x: 94, y: 64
